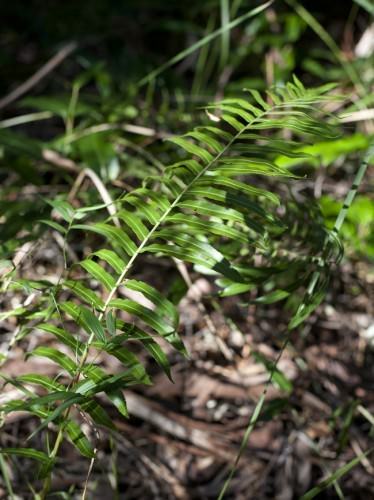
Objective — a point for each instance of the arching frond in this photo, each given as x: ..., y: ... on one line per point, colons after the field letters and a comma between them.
x: 208, y: 210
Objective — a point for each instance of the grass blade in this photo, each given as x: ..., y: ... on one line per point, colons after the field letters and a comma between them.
x: 208, y: 38
x: 335, y: 476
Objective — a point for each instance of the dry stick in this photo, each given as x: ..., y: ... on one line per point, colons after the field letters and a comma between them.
x: 70, y: 166
x: 182, y: 268
x: 97, y: 436
x: 312, y: 284
x: 102, y: 190
x: 60, y: 161
x: 358, y: 116
x: 159, y: 468
x: 49, y: 66
x: 107, y: 127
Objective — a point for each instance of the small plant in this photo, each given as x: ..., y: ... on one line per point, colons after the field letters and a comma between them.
x: 203, y: 210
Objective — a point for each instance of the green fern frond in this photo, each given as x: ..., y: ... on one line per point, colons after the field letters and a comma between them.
x: 204, y: 211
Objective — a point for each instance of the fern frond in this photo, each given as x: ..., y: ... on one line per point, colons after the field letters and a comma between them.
x: 203, y: 211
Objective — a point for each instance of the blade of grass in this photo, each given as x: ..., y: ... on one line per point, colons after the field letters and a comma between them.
x: 312, y: 22
x: 208, y: 38
x: 5, y: 474
x: 355, y: 185
x: 367, y: 5
x: 335, y: 476
x: 225, y: 37
x: 253, y: 420
x: 201, y: 65
x: 257, y: 410
x: 368, y: 157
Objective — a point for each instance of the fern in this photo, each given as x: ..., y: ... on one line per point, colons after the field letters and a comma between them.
x: 202, y: 211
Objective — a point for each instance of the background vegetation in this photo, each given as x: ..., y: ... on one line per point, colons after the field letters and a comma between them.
x: 243, y: 297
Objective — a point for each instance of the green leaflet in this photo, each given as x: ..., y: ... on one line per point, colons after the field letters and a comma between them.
x: 278, y: 377
x: 98, y: 273
x: 202, y: 249
x: 63, y: 208
x: 240, y: 103
x: 41, y: 380
x: 146, y: 210
x: 95, y: 377
x: 134, y: 333
x: 54, y: 225
x: 110, y: 384
x: 237, y: 200
x: 112, y: 259
x: 163, y: 305
x: 58, y: 357
x: 258, y: 98
x: 272, y: 297
x: 66, y: 338
x: 242, y: 165
x: 84, y: 293
x: 190, y: 167
x: 152, y: 319
x: 85, y: 318
x: 79, y: 439
x: 206, y: 139
x: 234, y: 288
x: 134, y: 223
x: 113, y: 234
x: 194, y: 225
x: 237, y: 186
x: 237, y: 111
x: 147, y: 315
x: 177, y: 252
x: 27, y: 453
x: 126, y: 357
x: 111, y: 323
x: 203, y: 207
x: 72, y: 429
x: 98, y: 414
x: 193, y: 149
x: 235, y: 124
x: 68, y: 400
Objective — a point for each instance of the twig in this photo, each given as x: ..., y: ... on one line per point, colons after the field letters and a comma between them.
x: 182, y: 268
x: 87, y: 172
x: 157, y: 468
x: 60, y: 161
x: 358, y: 116
x: 49, y: 66
x: 180, y: 427
x: 22, y: 119
x: 107, y: 127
